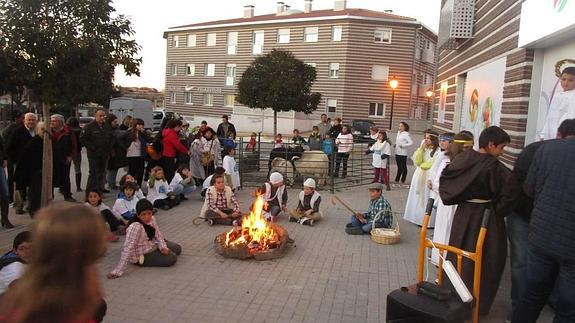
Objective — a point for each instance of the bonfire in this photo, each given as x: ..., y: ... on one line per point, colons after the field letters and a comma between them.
x: 255, y: 238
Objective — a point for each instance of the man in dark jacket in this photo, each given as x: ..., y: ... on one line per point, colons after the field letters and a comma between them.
x: 226, y: 129
x: 4, y: 191
x: 97, y: 137
x: 63, y: 148
x: 14, y: 148
x: 18, y: 122
x: 551, y: 248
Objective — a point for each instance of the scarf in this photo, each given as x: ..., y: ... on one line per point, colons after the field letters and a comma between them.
x: 150, y: 230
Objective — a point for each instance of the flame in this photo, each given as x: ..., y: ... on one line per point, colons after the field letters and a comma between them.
x: 255, y: 231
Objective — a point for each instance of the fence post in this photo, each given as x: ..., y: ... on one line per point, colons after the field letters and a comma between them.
x: 332, y: 175
x: 241, y: 160
x: 259, y: 149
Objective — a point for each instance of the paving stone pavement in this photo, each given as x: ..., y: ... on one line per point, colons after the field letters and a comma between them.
x: 327, y: 276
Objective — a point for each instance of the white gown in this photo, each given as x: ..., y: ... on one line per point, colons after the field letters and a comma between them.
x: 562, y: 108
x: 444, y: 214
x: 419, y: 192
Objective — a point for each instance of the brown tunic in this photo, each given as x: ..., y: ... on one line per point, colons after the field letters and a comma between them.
x: 472, y: 175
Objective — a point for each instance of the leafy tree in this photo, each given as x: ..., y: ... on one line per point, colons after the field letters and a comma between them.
x: 278, y: 81
x: 63, y: 52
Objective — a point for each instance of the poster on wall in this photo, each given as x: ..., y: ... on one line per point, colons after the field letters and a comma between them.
x: 442, y: 101
x: 483, y: 97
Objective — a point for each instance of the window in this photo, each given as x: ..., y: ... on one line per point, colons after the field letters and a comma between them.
x: 176, y: 41
x: 310, y: 34
x: 210, y: 69
x: 336, y: 33
x: 330, y: 105
x: 232, y: 42
x: 382, y: 35
x: 229, y: 100
x: 208, y: 99
x: 174, y: 69
x: 377, y: 109
x: 211, y: 39
x: 333, y: 70
x: 192, y: 40
x: 230, y: 74
x: 188, y: 98
x: 380, y: 72
x: 190, y: 69
x: 428, y: 79
x: 258, y: 42
x: 283, y: 36
x: 172, y: 97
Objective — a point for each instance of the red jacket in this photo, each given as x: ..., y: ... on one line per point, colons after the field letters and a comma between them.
x: 172, y: 143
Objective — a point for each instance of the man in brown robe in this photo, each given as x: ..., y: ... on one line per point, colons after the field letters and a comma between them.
x: 474, y: 181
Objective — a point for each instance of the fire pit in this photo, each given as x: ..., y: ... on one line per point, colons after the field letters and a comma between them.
x: 256, y: 238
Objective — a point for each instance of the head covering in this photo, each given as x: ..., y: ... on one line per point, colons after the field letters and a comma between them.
x: 309, y: 183
x: 276, y: 178
x: 375, y: 186
x: 446, y: 137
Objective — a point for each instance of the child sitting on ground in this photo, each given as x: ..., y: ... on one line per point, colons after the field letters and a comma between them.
x: 209, y: 180
x: 183, y: 184
x: 126, y: 204
x: 145, y: 244
x: 307, y: 211
x: 275, y: 196
x: 221, y: 205
x: 129, y: 178
x: 278, y: 142
x: 232, y: 173
x: 115, y: 221
x: 378, y: 215
x: 159, y: 193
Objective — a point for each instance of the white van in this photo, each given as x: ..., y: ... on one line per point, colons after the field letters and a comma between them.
x: 137, y: 108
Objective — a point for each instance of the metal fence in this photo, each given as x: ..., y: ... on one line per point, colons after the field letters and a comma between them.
x: 297, y: 163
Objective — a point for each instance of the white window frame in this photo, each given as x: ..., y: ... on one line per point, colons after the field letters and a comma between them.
x: 174, y: 69
x: 311, y: 34
x: 208, y: 99
x: 188, y: 98
x: 379, y: 35
x: 283, y: 36
x: 379, y: 109
x: 334, y: 70
x: 211, y: 39
x: 190, y: 69
x: 258, y: 43
x: 380, y: 69
x: 328, y: 105
x: 227, y: 103
x: 336, y: 33
x: 231, y: 70
x: 176, y: 40
x: 173, y: 97
x: 192, y: 39
x: 210, y: 69
x: 233, y: 42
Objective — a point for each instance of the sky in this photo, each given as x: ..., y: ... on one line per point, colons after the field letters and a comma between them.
x: 150, y: 18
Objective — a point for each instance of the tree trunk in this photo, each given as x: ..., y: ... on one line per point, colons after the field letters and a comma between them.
x: 47, y: 166
x: 275, y: 123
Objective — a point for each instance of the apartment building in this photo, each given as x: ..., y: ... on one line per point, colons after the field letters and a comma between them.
x: 499, y: 63
x: 355, y: 52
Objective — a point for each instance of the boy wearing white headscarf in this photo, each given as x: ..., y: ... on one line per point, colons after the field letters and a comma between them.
x: 275, y: 196
x: 307, y: 211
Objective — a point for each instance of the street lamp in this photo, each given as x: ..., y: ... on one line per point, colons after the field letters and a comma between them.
x: 393, y: 83
x: 429, y: 95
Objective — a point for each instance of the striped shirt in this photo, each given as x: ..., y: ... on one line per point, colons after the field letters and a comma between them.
x: 344, y: 143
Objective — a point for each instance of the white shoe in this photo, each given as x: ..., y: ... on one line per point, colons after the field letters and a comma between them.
x: 303, y: 220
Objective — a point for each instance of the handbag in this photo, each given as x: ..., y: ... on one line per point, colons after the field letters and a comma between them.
x: 207, y: 157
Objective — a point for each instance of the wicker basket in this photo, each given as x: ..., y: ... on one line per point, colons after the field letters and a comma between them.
x: 384, y: 235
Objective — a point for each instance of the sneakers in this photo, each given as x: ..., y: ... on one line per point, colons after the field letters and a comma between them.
x: 354, y: 231
x: 292, y: 219
x: 70, y: 199
x: 349, y: 225
x: 303, y: 220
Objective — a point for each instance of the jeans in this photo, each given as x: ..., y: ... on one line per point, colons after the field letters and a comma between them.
x: 112, y: 221
x: 181, y: 189
x: 157, y: 259
x: 96, y: 176
x: 517, y: 231
x: 364, y: 227
x: 341, y: 159
x: 401, y: 168
x: 543, y: 271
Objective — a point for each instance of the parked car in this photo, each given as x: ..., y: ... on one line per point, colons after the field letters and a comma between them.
x: 137, y: 108
x: 360, y: 130
x: 160, y: 115
x: 85, y: 120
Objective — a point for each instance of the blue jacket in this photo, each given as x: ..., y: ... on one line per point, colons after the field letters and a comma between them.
x: 327, y: 146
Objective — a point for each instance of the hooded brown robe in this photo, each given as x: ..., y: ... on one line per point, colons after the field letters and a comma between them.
x: 473, y: 175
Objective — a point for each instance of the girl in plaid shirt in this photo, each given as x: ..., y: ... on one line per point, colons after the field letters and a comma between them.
x: 145, y: 244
